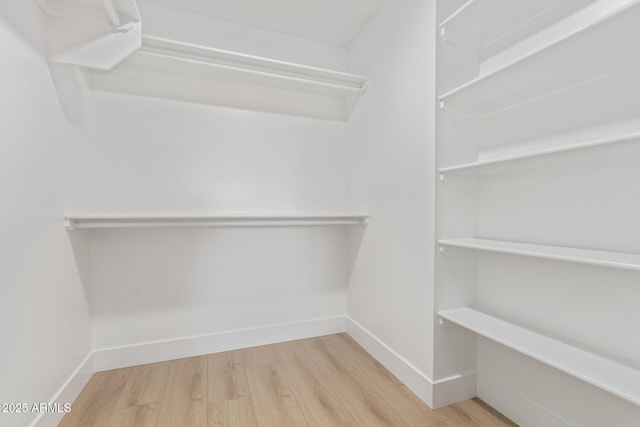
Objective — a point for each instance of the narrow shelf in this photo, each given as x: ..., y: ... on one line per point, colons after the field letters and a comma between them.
x: 77, y: 222
x: 481, y: 23
x: 613, y: 377
x: 596, y: 45
x: 595, y: 149
x: 184, y: 71
x: 619, y: 260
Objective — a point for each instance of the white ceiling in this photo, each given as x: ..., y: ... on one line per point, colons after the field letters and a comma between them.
x: 329, y: 21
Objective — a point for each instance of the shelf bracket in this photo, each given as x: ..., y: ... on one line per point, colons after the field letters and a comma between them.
x: 70, y: 224
x: 445, y: 323
x: 443, y: 251
x: 364, y: 221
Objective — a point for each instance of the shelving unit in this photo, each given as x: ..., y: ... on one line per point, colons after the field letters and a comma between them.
x: 492, y: 25
x: 539, y: 115
x: 220, y: 77
x: 608, y: 375
x: 582, y: 256
x: 78, y: 222
x: 595, y: 46
x: 582, y: 151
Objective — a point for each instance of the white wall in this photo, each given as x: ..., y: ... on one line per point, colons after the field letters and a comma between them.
x: 43, y: 305
x: 157, y: 157
x: 391, y: 143
x: 135, y: 155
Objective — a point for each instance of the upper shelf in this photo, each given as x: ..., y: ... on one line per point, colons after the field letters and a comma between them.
x: 184, y: 71
x: 158, y: 221
x: 596, y: 44
x: 492, y: 25
x: 613, y: 377
x: 596, y: 150
x: 620, y: 260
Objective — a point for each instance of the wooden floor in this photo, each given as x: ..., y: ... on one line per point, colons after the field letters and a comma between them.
x: 323, y: 382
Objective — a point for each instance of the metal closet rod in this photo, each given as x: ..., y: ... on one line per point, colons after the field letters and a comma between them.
x: 86, y: 222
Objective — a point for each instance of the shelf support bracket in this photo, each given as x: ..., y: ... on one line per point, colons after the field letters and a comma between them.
x: 70, y: 224
x: 443, y: 251
x: 445, y: 323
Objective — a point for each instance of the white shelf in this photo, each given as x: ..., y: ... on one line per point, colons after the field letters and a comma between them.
x: 619, y: 260
x: 608, y: 375
x: 481, y: 24
x: 596, y: 150
x: 188, y: 72
x: 76, y: 222
x: 593, y: 48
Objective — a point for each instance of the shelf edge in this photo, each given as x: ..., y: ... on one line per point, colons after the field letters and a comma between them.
x: 497, y: 330
x: 550, y: 152
x: 515, y: 62
x: 582, y: 256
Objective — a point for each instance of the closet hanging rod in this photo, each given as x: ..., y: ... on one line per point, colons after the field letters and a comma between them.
x: 258, y: 73
x: 241, y: 62
x: 102, y: 222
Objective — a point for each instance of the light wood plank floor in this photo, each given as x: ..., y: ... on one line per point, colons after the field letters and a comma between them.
x: 318, y: 382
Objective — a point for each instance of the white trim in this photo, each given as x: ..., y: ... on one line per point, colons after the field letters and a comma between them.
x: 67, y: 393
x: 434, y: 393
x: 419, y: 383
x: 157, y: 351
x: 454, y: 389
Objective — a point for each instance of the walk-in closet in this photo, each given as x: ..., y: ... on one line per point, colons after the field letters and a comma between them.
x: 320, y: 212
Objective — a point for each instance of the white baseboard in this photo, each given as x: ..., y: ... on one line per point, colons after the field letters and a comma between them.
x: 515, y: 407
x: 434, y: 393
x: 448, y: 391
x: 416, y: 381
x: 158, y: 351
x: 67, y: 393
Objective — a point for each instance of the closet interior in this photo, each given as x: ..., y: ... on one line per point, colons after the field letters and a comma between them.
x: 452, y: 183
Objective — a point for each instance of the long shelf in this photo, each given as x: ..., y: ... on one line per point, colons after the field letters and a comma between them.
x: 594, y: 149
x: 185, y: 71
x: 619, y: 260
x: 77, y: 222
x: 495, y: 24
x: 596, y: 45
x: 613, y: 377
